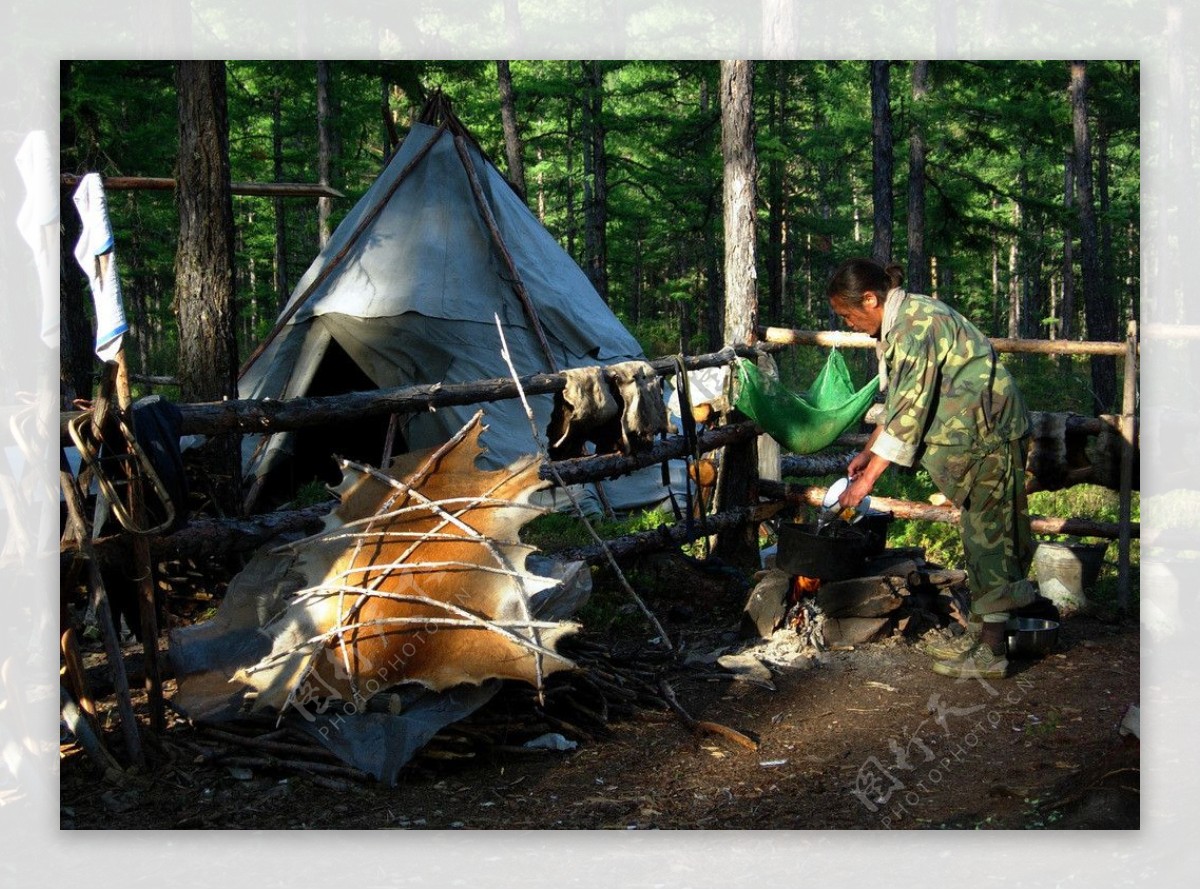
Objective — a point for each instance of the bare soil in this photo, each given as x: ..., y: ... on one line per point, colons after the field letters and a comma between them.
x: 863, y: 738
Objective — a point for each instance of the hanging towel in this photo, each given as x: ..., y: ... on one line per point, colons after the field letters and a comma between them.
x: 96, y: 242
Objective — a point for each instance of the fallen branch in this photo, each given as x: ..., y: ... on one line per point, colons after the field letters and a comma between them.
x: 261, y: 743
x: 280, y: 763
x: 702, y: 727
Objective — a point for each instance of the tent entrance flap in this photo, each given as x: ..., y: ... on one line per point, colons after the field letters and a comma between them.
x: 809, y: 421
x: 313, y: 448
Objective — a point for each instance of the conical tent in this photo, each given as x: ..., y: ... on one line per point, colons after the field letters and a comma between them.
x: 407, y: 292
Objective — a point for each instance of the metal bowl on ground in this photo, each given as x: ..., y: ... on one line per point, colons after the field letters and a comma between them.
x: 1032, y: 637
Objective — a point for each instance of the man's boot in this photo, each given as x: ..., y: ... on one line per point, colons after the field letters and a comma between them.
x: 987, y: 659
x: 946, y: 648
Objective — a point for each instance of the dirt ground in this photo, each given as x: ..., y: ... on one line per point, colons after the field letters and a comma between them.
x: 867, y: 738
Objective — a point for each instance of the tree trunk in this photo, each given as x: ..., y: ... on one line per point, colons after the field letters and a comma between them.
x: 1108, y: 283
x: 1014, y: 275
x: 282, y: 285
x: 739, y: 545
x: 1066, y: 312
x: 595, y: 180
x: 881, y: 160
x: 390, y: 137
x: 917, y: 273
x: 775, y: 207
x: 740, y: 201
x: 714, y: 309
x: 204, y: 298
x: 1098, y: 313
x: 1028, y: 261
x: 138, y: 309
x: 541, y: 189
x: 512, y: 138
x: 570, y: 180
x: 637, y: 277
x: 325, y: 151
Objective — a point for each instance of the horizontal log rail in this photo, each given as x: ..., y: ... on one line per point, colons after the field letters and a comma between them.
x: 256, y: 189
x: 608, y: 466
x: 812, y: 496
x: 205, y: 536
x: 208, y: 536
x: 278, y: 415
x: 793, y: 337
x: 672, y: 535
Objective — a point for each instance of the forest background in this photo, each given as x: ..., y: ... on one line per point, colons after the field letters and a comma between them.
x: 1009, y: 189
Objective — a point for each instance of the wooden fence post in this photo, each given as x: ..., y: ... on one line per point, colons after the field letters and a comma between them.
x: 1128, y: 433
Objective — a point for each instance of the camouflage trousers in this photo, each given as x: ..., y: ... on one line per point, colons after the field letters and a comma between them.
x: 988, y: 487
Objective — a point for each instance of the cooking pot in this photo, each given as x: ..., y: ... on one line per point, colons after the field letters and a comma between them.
x: 837, y: 553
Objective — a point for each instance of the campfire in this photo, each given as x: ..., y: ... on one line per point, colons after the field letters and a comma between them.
x: 843, y: 590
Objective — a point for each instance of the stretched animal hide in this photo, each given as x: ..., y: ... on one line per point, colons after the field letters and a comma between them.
x: 418, y: 577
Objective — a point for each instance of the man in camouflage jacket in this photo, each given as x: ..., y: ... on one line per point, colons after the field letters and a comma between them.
x: 952, y: 406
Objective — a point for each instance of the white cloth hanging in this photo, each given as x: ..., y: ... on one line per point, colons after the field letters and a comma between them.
x: 95, y: 243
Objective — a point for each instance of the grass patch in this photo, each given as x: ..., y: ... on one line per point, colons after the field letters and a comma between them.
x: 609, y: 611
x: 561, y: 531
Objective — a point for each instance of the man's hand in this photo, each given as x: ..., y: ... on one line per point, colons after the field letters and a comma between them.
x: 858, y: 463
x: 860, y: 486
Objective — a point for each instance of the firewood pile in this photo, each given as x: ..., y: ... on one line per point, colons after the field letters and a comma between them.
x: 612, y: 685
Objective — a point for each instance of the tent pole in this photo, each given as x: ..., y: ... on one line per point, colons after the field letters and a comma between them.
x: 334, y: 263
x: 517, y: 284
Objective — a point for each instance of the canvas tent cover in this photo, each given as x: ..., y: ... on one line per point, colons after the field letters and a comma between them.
x: 417, y: 280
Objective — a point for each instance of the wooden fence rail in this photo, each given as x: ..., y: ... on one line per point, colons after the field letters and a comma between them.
x: 264, y: 416
x: 793, y: 337
x: 256, y: 416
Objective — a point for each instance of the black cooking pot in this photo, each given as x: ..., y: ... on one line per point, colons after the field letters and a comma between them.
x: 874, y: 524
x: 837, y: 553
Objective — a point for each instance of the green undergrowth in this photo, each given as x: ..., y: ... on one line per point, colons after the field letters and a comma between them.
x: 562, y: 531
x: 610, y: 611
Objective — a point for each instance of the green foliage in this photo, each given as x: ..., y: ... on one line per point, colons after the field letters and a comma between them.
x: 997, y: 135
x: 310, y: 493
x: 609, y: 610
x: 559, y: 531
x: 940, y: 540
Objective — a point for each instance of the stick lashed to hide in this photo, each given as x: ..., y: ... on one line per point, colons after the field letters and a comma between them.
x: 545, y: 455
x: 419, y: 576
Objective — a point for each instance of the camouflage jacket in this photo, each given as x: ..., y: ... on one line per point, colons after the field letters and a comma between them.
x: 945, y: 385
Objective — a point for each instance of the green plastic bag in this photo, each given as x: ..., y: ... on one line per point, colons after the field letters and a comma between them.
x: 809, y: 421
